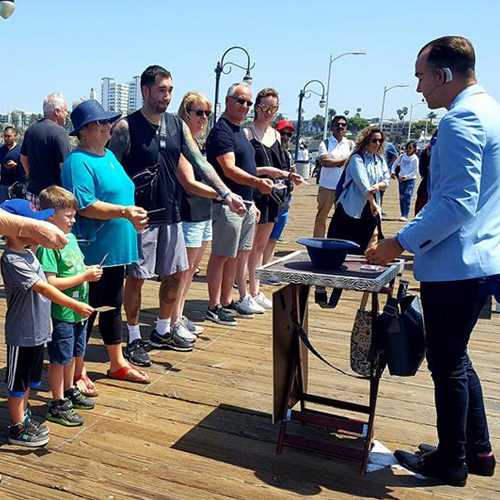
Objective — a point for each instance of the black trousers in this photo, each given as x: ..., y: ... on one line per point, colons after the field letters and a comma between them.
x: 108, y: 291
x: 451, y: 310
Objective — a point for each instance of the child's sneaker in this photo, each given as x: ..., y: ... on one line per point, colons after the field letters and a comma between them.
x: 29, y: 420
x: 62, y: 413
x: 80, y: 402
x: 26, y: 435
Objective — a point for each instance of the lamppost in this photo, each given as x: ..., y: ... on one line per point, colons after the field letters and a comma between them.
x: 307, y: 93
x: 386, y: 89
x: 7, y: 8
x: 220, y: 68
x: 356, y: 53
x: 411, y: 113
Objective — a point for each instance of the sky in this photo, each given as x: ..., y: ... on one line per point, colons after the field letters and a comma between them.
x: 68, y: 46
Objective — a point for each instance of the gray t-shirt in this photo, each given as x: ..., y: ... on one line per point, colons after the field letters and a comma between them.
x: 27, y: 322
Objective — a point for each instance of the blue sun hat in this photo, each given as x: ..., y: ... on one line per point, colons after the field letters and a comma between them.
x: 90, y: 111
x: 327, y: 254
x: 25, y: 209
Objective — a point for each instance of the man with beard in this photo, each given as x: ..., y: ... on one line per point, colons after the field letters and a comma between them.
x: 136, y: 144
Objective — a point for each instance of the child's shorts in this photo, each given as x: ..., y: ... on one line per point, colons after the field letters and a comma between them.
x: 24, y: 369
x: 68, y: 341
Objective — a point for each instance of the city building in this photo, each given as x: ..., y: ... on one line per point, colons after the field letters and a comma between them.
x: 122, y: 97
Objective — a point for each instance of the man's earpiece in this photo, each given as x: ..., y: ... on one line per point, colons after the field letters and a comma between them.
x: 447, y: 75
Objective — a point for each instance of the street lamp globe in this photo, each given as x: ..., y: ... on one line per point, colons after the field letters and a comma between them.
x: 248, y: 78
x: 322, y: 102
x: 7, y: 8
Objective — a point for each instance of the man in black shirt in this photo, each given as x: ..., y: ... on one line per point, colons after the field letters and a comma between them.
x: 136, y: 142
x: 45, y: 147
x: 11, y: 168
x: 233, y: 157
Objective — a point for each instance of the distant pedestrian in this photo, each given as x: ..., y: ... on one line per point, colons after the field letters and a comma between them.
x: 405, y: 170
x: 11, y: 168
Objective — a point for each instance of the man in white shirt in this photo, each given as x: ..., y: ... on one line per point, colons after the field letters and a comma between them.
x: 332, y: 161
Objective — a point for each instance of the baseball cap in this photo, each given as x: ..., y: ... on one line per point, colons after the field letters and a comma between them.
x: 25, y: 209
x: 282, y: 124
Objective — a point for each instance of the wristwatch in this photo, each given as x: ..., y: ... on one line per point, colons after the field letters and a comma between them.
x: 223, y: 196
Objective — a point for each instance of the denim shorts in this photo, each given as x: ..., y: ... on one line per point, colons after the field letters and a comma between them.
x: 68, y: 341
x: 196, y: 233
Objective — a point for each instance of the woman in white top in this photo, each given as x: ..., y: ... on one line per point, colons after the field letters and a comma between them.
x: 405, y: 169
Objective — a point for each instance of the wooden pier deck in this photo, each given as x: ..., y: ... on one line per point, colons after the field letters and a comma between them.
x: 202, y: 429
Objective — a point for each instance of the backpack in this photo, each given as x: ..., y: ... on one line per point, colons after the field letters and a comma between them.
x: 341, y: 185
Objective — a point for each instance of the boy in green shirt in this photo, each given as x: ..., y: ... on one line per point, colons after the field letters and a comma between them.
x: 66, y: 271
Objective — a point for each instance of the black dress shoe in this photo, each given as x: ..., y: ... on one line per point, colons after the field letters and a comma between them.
x: 430, y: 465
x: 480, y: 466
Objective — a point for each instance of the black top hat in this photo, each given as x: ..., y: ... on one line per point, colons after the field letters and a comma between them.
x: 88, y: 112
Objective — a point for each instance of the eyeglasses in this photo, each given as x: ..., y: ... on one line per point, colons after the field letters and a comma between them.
x: 265, y: 108
x: 200, y: 112
x: 287, y: 134
x: 241, y: 101
x: 103, y: 122
x: 377, y: 141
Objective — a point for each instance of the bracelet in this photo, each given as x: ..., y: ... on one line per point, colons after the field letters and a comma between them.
x: 223, y: 196
x: 122, y: 211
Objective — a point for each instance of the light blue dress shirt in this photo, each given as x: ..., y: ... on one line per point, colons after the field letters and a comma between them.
x: 360, y: 177
x: 456, y: 236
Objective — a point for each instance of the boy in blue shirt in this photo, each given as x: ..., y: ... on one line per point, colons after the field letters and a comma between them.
x: 27, y: 326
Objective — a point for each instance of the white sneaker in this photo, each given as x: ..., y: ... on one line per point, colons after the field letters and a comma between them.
x: 263, y: 301
x: 403, y: 219
x: 248, y: 304
x: 179, y: 329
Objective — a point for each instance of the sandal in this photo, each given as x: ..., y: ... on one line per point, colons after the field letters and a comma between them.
x: 88, y: 388
x: 130, y: 374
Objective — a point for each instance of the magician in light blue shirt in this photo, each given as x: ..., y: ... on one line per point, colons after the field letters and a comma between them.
x: 457, y: 234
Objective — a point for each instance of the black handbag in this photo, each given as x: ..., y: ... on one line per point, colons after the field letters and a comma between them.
x: 400, y: 330
x: 147, y: 193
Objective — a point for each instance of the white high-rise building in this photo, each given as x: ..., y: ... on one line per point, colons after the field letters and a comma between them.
x: 134, y: 94
x: 114, y: 96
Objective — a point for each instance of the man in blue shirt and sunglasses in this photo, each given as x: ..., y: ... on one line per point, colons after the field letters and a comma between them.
x: 456, y: 242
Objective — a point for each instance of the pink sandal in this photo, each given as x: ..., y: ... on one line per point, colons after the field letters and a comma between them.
x: 89, y: 388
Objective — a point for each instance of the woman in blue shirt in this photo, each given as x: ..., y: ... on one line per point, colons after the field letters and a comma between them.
x: 357, y: 215
x: 106, y: 228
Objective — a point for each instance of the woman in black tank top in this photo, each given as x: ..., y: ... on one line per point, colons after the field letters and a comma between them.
x: 271, y: 163
x: 196, y: 207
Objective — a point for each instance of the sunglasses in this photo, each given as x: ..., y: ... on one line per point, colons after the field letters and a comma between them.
x: 287, y: 134
x: 265, y: 108
x: 377, y: 141
x: 341, y: 124
x: 200, y: 112
x: 242, y: 102
x: 103, y: 122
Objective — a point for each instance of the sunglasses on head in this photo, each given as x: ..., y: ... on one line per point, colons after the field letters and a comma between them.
x: 287, y: 134
x: 377, y: 141
x: 200, y: 112
x: 103, y: 122
x: 265, y: 108
x: 241, y: 101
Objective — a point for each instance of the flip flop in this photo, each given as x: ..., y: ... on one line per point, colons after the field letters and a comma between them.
x: 90, y: 389
x: 130, y: 374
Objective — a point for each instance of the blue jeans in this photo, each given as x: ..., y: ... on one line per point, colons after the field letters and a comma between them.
x: 406, y: 189
x: 451, y: 310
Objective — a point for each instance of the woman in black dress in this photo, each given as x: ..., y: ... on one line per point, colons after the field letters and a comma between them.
x: 271, y: 163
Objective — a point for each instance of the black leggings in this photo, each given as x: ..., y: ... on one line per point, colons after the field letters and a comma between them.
x: 108, y: 291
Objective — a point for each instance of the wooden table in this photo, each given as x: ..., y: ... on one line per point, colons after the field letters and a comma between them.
x: 290, y: 354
